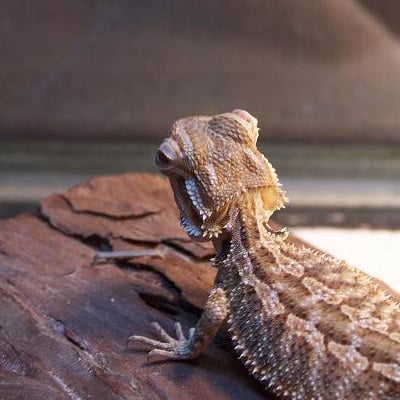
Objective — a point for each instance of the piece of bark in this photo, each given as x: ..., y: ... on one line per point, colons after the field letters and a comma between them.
x: 193, y: 278
x: 154, y: 220
x: 121, y: 197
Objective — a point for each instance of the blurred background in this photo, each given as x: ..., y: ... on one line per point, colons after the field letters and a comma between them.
x: 91, y: 87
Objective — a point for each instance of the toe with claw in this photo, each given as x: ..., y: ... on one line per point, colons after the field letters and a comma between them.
x: 180, y: 348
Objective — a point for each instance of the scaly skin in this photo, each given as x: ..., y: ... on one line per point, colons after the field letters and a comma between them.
x: 306, y: 325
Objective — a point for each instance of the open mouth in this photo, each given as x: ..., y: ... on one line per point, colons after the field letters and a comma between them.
x: 187, y: 191
x: 191, y: 207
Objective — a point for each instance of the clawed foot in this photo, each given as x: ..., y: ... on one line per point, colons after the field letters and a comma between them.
x: 178, y: 349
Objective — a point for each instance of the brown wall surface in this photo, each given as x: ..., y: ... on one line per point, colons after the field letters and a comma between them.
x: 325, y: 70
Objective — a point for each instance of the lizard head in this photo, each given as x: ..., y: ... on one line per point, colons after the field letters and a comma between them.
x: 211, y: 162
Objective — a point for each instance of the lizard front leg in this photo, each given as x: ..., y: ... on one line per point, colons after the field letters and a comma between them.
x: 214, y: 313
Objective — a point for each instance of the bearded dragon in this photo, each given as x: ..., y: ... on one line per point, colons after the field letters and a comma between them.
x: 308, y: 326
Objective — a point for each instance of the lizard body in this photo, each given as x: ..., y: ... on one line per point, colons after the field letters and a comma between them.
x: 306, y: 325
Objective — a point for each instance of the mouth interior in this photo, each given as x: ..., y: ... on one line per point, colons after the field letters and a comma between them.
x: 190, y: 205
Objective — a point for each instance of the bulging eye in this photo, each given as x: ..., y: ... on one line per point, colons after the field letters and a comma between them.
x: 162, y: 160
x: 168, y: 155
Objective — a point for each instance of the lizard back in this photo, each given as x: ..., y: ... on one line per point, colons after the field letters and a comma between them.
x: 305, y: 324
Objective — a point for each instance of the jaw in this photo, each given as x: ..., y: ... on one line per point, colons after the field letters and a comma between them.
x: 189, y: 200
x: 196, y: 217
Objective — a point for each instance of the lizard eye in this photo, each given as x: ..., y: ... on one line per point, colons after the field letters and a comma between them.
x: 167, y: 155
x: 162, y: 160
